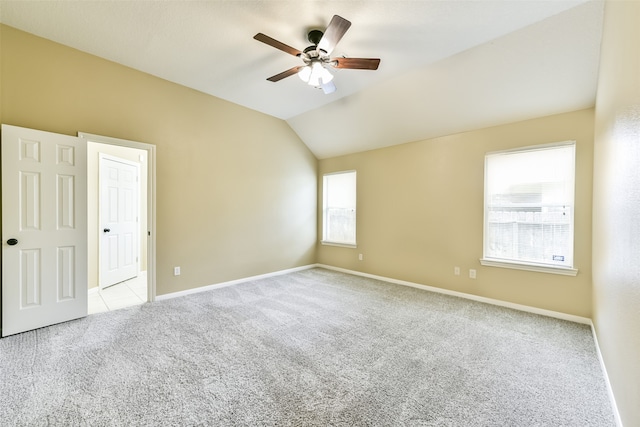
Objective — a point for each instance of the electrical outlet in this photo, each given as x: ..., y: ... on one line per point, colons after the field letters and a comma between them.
x: 176, y: 271
x: 472, y: 274
x: 360, y: 257
x: 456, y: 271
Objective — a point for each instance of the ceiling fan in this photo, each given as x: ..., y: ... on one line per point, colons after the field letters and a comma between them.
x: 317, y: 57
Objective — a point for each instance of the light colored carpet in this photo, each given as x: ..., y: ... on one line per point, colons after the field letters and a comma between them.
x: 312, y: 348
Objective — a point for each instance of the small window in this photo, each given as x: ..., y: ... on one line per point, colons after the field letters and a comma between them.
x: 529, y: 207
x: 339, y: 208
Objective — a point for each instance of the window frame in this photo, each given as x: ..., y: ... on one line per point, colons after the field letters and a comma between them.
x: 324, y: 240
x: 522, y: 264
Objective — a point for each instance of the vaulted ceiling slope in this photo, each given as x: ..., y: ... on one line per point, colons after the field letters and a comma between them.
x: 446, y: 66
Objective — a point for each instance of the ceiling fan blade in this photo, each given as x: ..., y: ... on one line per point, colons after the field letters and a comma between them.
x: 278, y: 45
x: 282, y: 75
x: 334, y: 32
x: 357, y: 63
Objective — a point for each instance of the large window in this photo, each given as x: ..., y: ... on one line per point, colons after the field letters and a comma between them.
x: 339, y: 208
x: 529, y: 204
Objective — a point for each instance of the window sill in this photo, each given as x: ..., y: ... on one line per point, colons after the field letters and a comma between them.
x: 530, y: 267
x: 342, y: 245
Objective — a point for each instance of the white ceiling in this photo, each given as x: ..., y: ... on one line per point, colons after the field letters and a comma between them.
x: 447, y: 66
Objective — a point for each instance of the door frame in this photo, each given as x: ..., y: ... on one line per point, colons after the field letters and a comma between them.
x: 151, y: 200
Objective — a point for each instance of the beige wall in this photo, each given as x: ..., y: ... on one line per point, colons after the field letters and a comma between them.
x: 616, y: 207
x: 236, y: 189
x: 134, y: 155
x: 420, y: 213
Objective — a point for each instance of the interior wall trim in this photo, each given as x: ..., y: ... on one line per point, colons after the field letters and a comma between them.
x: 520, y: 307
x: 603, y: 366
x: 232, y: 282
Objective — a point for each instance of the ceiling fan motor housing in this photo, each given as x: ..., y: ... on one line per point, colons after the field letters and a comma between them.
x: 312, y: 52
x: 315, y: 36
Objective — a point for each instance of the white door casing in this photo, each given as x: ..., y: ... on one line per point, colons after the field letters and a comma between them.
x: 150, y: 231
x: 44, y: 208
x: 119, y: 225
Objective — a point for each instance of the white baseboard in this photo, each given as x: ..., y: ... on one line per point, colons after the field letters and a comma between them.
x: 529, y: 309
x: 526, y: 308
x: 520, y: 307
x: 612, y: 397
x: 232, y: 282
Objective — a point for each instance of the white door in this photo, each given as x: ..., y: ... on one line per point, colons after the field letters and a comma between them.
x: 119, y: 227
x: 44, y: 229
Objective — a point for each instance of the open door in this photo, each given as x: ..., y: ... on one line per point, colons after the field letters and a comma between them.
x: 44, y: 229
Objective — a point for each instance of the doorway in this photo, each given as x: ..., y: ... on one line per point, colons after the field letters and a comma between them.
x: 138, y: 287
x: 45, y: 199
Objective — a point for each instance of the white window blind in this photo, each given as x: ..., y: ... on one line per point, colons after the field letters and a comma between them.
x: 529, y: 205
x: 339, y: 208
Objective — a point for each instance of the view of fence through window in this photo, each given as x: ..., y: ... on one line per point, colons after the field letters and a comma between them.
x: 339, y: 208
x: 529, y: 205
x: 532, y: 235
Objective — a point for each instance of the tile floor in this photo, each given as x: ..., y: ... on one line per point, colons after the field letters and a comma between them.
x: 125, y: 294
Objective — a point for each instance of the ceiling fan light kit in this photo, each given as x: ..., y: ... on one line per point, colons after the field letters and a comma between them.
x: 317, y: 58
x: 315, y: 74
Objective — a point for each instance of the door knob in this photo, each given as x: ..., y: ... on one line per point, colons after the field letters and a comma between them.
x: 12, y: 242
x: 106, y: 230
